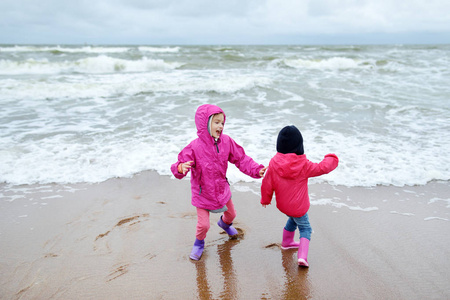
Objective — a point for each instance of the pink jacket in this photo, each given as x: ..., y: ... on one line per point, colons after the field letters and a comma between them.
x: 209, y: 185
x: 287, y: 176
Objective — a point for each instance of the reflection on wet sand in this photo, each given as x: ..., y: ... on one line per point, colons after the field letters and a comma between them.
x: 297, y: 285
x: 230, y: 290
x: 226, y: 265
x: 203, y: 289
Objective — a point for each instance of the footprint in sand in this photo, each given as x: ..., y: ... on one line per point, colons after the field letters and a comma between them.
x: 49, y: 255
x: 117, y: 272
x: 130, y: 221
x: 273, y: 245
x: 134, y: 220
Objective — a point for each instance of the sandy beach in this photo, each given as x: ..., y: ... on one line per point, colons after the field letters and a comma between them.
x: 130, y: 238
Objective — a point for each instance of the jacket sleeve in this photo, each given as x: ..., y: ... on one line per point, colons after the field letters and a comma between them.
x: 242, y: 161
x: 267, y: 188
x: 187, y: 154
x: 328, y: 164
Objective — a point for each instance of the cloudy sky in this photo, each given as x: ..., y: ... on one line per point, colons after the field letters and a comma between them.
x: 171, y: 22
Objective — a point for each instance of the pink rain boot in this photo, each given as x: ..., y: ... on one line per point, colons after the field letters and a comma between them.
x: 302, y: 254
x: 197, y: 250
x: 288, y: 240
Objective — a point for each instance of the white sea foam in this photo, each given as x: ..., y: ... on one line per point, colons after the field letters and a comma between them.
x: 85, y: 49
x: 11, y: 198
x: 159, y: 49
x: 51, y: 197
x: 403, y: 214
x: 89, y: 65
x: 110, y: 85
x: 435, y: 218
x: 90, y: 116
x: 329, y: 63
x: 434, y: 200
x: 326, y: 201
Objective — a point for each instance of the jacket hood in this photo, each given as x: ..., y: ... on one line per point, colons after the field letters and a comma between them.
x: 288, y: 165
x: 202, y: 118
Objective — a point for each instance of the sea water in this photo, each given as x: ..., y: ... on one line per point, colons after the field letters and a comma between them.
x: 83, y: 113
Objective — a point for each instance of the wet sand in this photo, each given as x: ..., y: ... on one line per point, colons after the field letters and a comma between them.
x: 130, y: 238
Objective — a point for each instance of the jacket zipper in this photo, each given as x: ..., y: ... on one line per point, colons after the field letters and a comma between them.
x: 217, y: 147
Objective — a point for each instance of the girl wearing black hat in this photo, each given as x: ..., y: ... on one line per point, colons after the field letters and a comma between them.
x: 287, y: 176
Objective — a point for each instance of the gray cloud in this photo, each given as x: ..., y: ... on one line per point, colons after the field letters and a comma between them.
x: 206, y: 21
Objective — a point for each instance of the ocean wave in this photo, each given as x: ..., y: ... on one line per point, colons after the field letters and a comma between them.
x: 87, y: 49
x: 329, y: 63
x: 62, y: 49
x: 88, y: 65
x: 95, y: 117
x: 62, y: 157
x: 83, y: 138
x: 83, y: 144
x: 75, y: 86
x: 159, y: 49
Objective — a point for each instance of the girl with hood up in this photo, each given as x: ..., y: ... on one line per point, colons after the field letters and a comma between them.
x: 287, y: 176
x: 207, y: 159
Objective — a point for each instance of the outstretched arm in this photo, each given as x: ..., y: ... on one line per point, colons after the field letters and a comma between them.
x: 328, y: 164
x: 244, y: 162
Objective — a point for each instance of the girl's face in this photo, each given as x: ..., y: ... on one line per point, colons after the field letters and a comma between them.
x: 217, y: 125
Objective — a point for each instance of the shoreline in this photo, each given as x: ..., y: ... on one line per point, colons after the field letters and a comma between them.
x: 131, y: 238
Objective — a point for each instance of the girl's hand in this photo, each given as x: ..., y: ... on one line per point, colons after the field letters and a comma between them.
x: 262, y: 171
x: 184, y: 167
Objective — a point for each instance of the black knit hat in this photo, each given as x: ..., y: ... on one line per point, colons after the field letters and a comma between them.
x: 290, y: 140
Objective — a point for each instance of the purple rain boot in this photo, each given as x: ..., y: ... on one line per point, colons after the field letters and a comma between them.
x: 230, y: 230
x: 302, y: 254
x: 288, y: 240
x: 197, y: 250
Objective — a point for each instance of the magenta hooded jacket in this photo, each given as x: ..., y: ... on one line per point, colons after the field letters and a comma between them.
x: 209, y: 185
x: 287, y: 176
